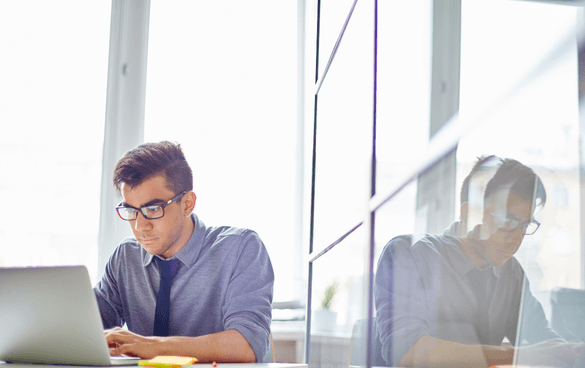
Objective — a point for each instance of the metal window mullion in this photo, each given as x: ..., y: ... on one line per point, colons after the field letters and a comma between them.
x: 308, y: 316
x: 319, y: 82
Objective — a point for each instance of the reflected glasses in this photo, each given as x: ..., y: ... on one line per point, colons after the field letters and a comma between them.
x: 156, y: 211
x: 508, y: 223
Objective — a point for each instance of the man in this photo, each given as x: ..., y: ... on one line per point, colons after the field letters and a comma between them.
x: 182, y: 288
x: 443, y: 300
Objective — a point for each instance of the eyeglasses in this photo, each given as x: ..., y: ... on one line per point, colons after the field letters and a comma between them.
x: 128, y: 213
x: 508, y: 223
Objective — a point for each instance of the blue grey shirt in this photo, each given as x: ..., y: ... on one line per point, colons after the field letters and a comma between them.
x: 224, y: 282
x: 422, y: 289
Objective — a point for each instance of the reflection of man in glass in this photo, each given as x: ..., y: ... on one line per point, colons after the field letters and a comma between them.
x: 444, y: 300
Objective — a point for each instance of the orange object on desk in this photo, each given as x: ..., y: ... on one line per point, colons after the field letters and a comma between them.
x: 168, y: 361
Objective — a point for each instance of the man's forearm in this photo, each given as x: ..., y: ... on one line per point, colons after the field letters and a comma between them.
x: 430, y: 351
x: 225, y: 346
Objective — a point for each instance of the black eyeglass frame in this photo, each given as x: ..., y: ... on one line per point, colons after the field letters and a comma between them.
x: 523, y: 225
x: 144, y: 209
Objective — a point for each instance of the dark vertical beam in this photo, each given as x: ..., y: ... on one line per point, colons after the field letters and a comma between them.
x: 313, y: 182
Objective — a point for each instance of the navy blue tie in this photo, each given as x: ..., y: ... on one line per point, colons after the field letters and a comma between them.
x: 168, y: 270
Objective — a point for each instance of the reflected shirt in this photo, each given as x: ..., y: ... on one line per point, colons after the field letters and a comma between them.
x: 422, y: 288
x: 224, y: 282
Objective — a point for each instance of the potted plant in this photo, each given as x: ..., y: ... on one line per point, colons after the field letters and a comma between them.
x: 325, y: 319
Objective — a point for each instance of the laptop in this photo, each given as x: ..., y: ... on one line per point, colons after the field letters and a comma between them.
x: 522, y: 358
x: 517, y: 359
x: 50, y: 315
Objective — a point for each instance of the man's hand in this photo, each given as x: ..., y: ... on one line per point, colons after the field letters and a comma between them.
x: 430, y: 351
x: 225, y: 346
x: 125, y: 342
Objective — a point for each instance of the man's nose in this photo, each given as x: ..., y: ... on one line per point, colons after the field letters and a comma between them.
x: 517, y: 235
x: 141, y: 222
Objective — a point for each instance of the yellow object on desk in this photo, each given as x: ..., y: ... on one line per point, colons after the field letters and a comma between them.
x: 168, y: 361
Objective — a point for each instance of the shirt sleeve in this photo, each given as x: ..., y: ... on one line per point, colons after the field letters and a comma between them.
x: 108, y: 296
x: 400, y: 301
x: 248, y: 301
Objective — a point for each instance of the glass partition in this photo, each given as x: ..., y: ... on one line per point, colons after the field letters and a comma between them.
x: 519, y: 102
x: 531, y: 227
x: 344, y: 132
x: 333, y: 16
x: 538, y: 125
x: 338, y: 291
x: 404, y: 72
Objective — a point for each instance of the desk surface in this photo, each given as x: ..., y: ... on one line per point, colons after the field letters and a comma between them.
x: 206, y: 365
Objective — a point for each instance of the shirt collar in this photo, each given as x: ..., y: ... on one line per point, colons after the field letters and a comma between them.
x: 190, y: 252
x: 462, y: 264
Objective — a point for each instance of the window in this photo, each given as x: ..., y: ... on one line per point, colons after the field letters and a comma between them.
x: 53, y: 89
x: 222, y: 82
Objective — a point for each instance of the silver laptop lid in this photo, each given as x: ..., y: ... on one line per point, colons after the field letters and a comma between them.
x: 50, y: 315
x: 516, y: 360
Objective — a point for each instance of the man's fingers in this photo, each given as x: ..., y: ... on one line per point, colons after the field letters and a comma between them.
x: 126, y: 349
x: 114, y: 351
x: 119, y: 339
x: 125, y: 342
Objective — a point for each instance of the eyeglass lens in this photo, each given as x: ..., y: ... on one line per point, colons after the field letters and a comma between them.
x: 512, y: 224
x: 150, y: 212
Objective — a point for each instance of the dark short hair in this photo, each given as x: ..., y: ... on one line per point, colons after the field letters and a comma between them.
x: 481, y: 161
x: 520, y: 179
x: 153, y: 159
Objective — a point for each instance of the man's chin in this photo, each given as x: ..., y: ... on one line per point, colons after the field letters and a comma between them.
x: 151, y: 246
x: 500, y: 260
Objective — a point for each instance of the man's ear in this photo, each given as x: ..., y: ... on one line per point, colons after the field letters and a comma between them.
x: 463, y: 212
x: 189, y: 200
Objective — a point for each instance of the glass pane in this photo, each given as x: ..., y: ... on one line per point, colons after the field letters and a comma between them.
x: 404, y: 65
x: 333, y: 16
x: 53, y: 88
x: 417, y: 277
x: 395, y: 218
x: 538, y: 126
x: 338, y: 294
x: 344, y: 134
x: 222, y: 82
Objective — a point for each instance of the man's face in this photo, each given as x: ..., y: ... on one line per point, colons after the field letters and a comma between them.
x: 502, y: 245
x: 164, y: 236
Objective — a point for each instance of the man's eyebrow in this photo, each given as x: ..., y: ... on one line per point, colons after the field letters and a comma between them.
x: 516, y: 218
x: 153, y: 202
x: 149, y: 203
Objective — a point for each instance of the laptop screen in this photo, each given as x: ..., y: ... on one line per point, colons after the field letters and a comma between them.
x: 50, y: 315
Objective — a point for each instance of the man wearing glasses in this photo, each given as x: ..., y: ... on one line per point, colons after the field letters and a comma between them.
x: 182, y: 288
x: 446, y: 300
